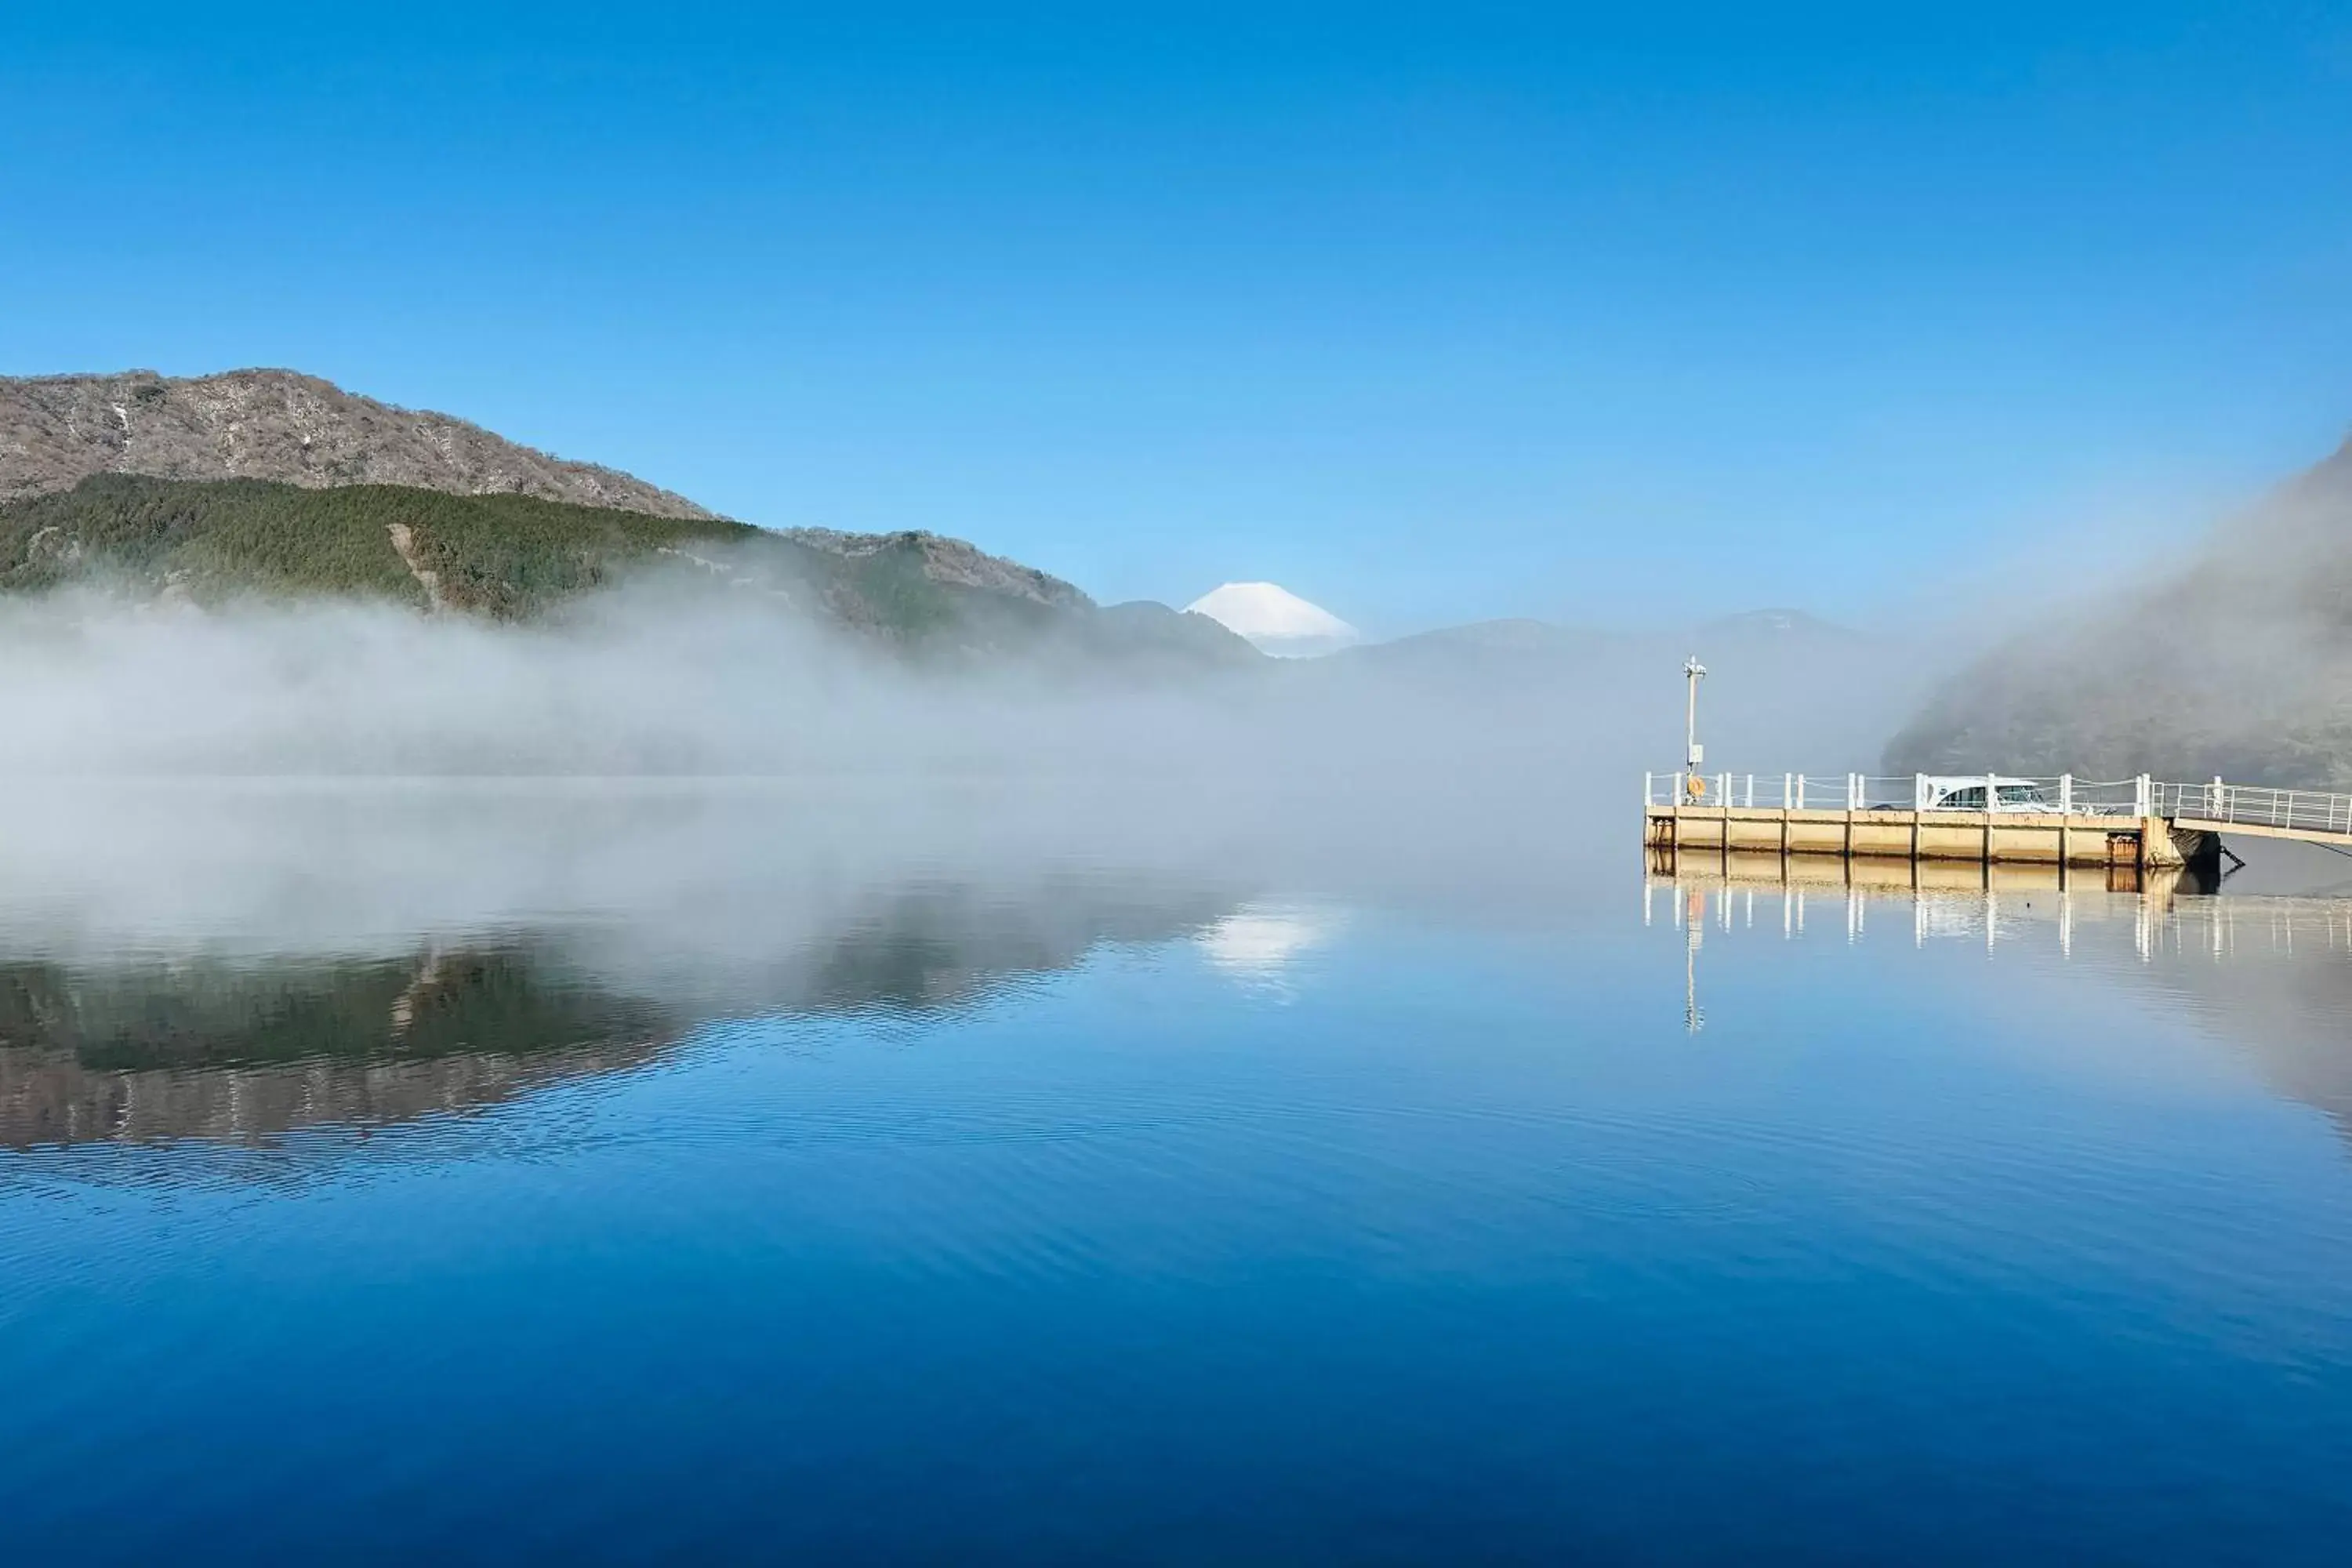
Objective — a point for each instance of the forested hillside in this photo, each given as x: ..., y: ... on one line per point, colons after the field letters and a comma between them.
x: 514, y: 557
x: 2239, y: 664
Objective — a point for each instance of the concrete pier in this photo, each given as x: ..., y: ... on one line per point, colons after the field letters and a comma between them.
x: 1982, y: 837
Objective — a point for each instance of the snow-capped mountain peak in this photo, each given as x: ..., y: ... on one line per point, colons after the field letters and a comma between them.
x: 1277, y: 620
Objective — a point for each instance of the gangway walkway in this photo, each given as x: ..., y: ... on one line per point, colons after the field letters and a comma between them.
x: 2312, y: 816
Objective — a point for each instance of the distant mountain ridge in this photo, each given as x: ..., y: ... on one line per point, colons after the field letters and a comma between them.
x: 1784, y: 689
x: 1520, y: 639
x: 948, y: 561
x: 278, y: 425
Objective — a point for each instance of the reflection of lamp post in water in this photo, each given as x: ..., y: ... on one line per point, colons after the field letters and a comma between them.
x: 1693, y: 753
x: 1694, y: 925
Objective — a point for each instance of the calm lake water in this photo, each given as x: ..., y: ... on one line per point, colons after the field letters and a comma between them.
x: 390, y: 1177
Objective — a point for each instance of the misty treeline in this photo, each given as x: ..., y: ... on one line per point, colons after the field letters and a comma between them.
x: 2238, y: 663
x: 652, y: 678
x: 170, y: 627
x: 667, y: 676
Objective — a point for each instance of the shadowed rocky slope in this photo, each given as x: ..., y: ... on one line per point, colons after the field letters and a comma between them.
x: 56, y: 431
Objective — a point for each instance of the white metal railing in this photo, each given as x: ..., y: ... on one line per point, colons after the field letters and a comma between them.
x: 1799, y: 792
x: 2306, y: 811
x: 2254, y: 806
x: 1877, y: 792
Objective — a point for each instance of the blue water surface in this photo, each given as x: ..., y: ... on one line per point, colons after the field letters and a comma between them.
x: 1283, y: 1225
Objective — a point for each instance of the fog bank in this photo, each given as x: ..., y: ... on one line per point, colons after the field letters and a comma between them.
x: 651, y: 680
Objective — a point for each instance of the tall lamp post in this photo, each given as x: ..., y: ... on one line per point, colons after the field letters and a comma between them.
x: 1693, y: 753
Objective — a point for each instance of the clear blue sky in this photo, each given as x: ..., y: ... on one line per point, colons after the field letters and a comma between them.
x: 1426, y: 314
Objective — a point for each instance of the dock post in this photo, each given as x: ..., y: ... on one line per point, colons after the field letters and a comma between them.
x: 2142, y: 804
x: 2065, y: 824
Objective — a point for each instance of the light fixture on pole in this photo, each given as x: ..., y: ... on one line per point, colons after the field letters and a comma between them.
x: 1693, y: 753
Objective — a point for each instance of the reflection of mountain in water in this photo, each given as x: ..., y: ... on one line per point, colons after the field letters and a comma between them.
x: 213, y: 1050
x: 241, y: 1051
x: 947, y: 943
x: 2273, y: 978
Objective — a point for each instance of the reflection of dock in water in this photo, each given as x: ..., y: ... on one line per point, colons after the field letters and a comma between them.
x: 2269, y: 975
x: 1985, y: 901
x: 1890, y: 874
x: 2167, y: 910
